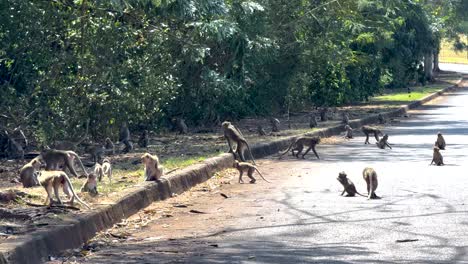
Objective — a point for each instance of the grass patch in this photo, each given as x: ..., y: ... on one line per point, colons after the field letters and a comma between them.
x: 449, y: 55
x: 403, y: 96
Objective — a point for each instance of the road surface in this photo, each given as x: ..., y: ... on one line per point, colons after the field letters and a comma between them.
x: 301, y: 218
x: 463, y: 68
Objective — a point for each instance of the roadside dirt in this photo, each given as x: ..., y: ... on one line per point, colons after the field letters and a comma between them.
x: 208, y: 208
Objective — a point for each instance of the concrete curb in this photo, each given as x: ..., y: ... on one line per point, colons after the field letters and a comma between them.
x: 36, y: 246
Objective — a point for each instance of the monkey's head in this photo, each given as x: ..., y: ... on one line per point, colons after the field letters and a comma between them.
x: 226, y: 124
x: 439, y: 134
x: 385, y: 136
x: 342, y: 175
x: 436, y: 149
x: 145, y: 157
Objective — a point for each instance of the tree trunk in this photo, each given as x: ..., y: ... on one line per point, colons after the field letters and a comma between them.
x: 436, y: 61
x: 428, y: 67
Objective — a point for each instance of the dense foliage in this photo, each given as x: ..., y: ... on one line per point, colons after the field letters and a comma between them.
x: 146, y: 61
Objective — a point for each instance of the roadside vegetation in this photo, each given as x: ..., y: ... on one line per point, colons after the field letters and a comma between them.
x: 64, y: 62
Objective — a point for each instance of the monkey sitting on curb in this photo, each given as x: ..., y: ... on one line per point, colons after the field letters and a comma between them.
x: 349, y: 132
x: 153, y: 168
x: 233, y: 135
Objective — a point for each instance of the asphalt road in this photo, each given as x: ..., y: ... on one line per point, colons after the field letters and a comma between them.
x: 463, y: 68
x: 301, y: 218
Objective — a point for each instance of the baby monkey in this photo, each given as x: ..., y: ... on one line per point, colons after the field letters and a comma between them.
x: 91, y: 184
x: 249, y: 168
x: 348, y: 185
x: 54, y: 180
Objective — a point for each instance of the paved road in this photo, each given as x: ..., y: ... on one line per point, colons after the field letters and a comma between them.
x: 302, y: 219
x: 454, y: 67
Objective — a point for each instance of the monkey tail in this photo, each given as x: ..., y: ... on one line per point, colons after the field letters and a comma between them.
x: 79, y: 160
x: 361, y: 194
x: 262, y: 176
x: 74, y: 193
x: 251, y: 155
x: 289, y: 148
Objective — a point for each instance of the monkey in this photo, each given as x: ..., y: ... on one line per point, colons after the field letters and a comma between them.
x: 261, y: 131
x: 249, y: 168
x: 231, y: 133
x: 371, y: 130
x: 349, y: 132
x: 324, y: 114
x: 312, y: 121
x: 54, y: 159
x: 348, y: 185
x: 107, y: 169
x: 383, y: 142
x: 440, y: 143
x: 274, y: 124
x: 143, y: 142
x: 124, y: 137
x: 90, y: 185
x: 370, y: 176
x: 345, y: 119
x: 180, y: 126
x: 153, y: 169
x: 68, y: 145
x: 98, y: 171
x: 96, y: 152
x: 299, y: 144
x: 109, y: 146
x: 53, y: 180
x: 381, y: 119
x: 28, y: 173
x: 437, y: 157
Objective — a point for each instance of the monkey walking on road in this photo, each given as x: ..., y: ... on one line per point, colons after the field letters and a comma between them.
x: 371, y: 130
x: 250, y: 169
x: 299, y: 143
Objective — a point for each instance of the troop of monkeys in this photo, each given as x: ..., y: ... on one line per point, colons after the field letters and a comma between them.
x: 57, y: 160
x: 233, y: 135
x: 369, y: 174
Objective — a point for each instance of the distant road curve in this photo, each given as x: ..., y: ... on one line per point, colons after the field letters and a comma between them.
x: 463, y: 68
